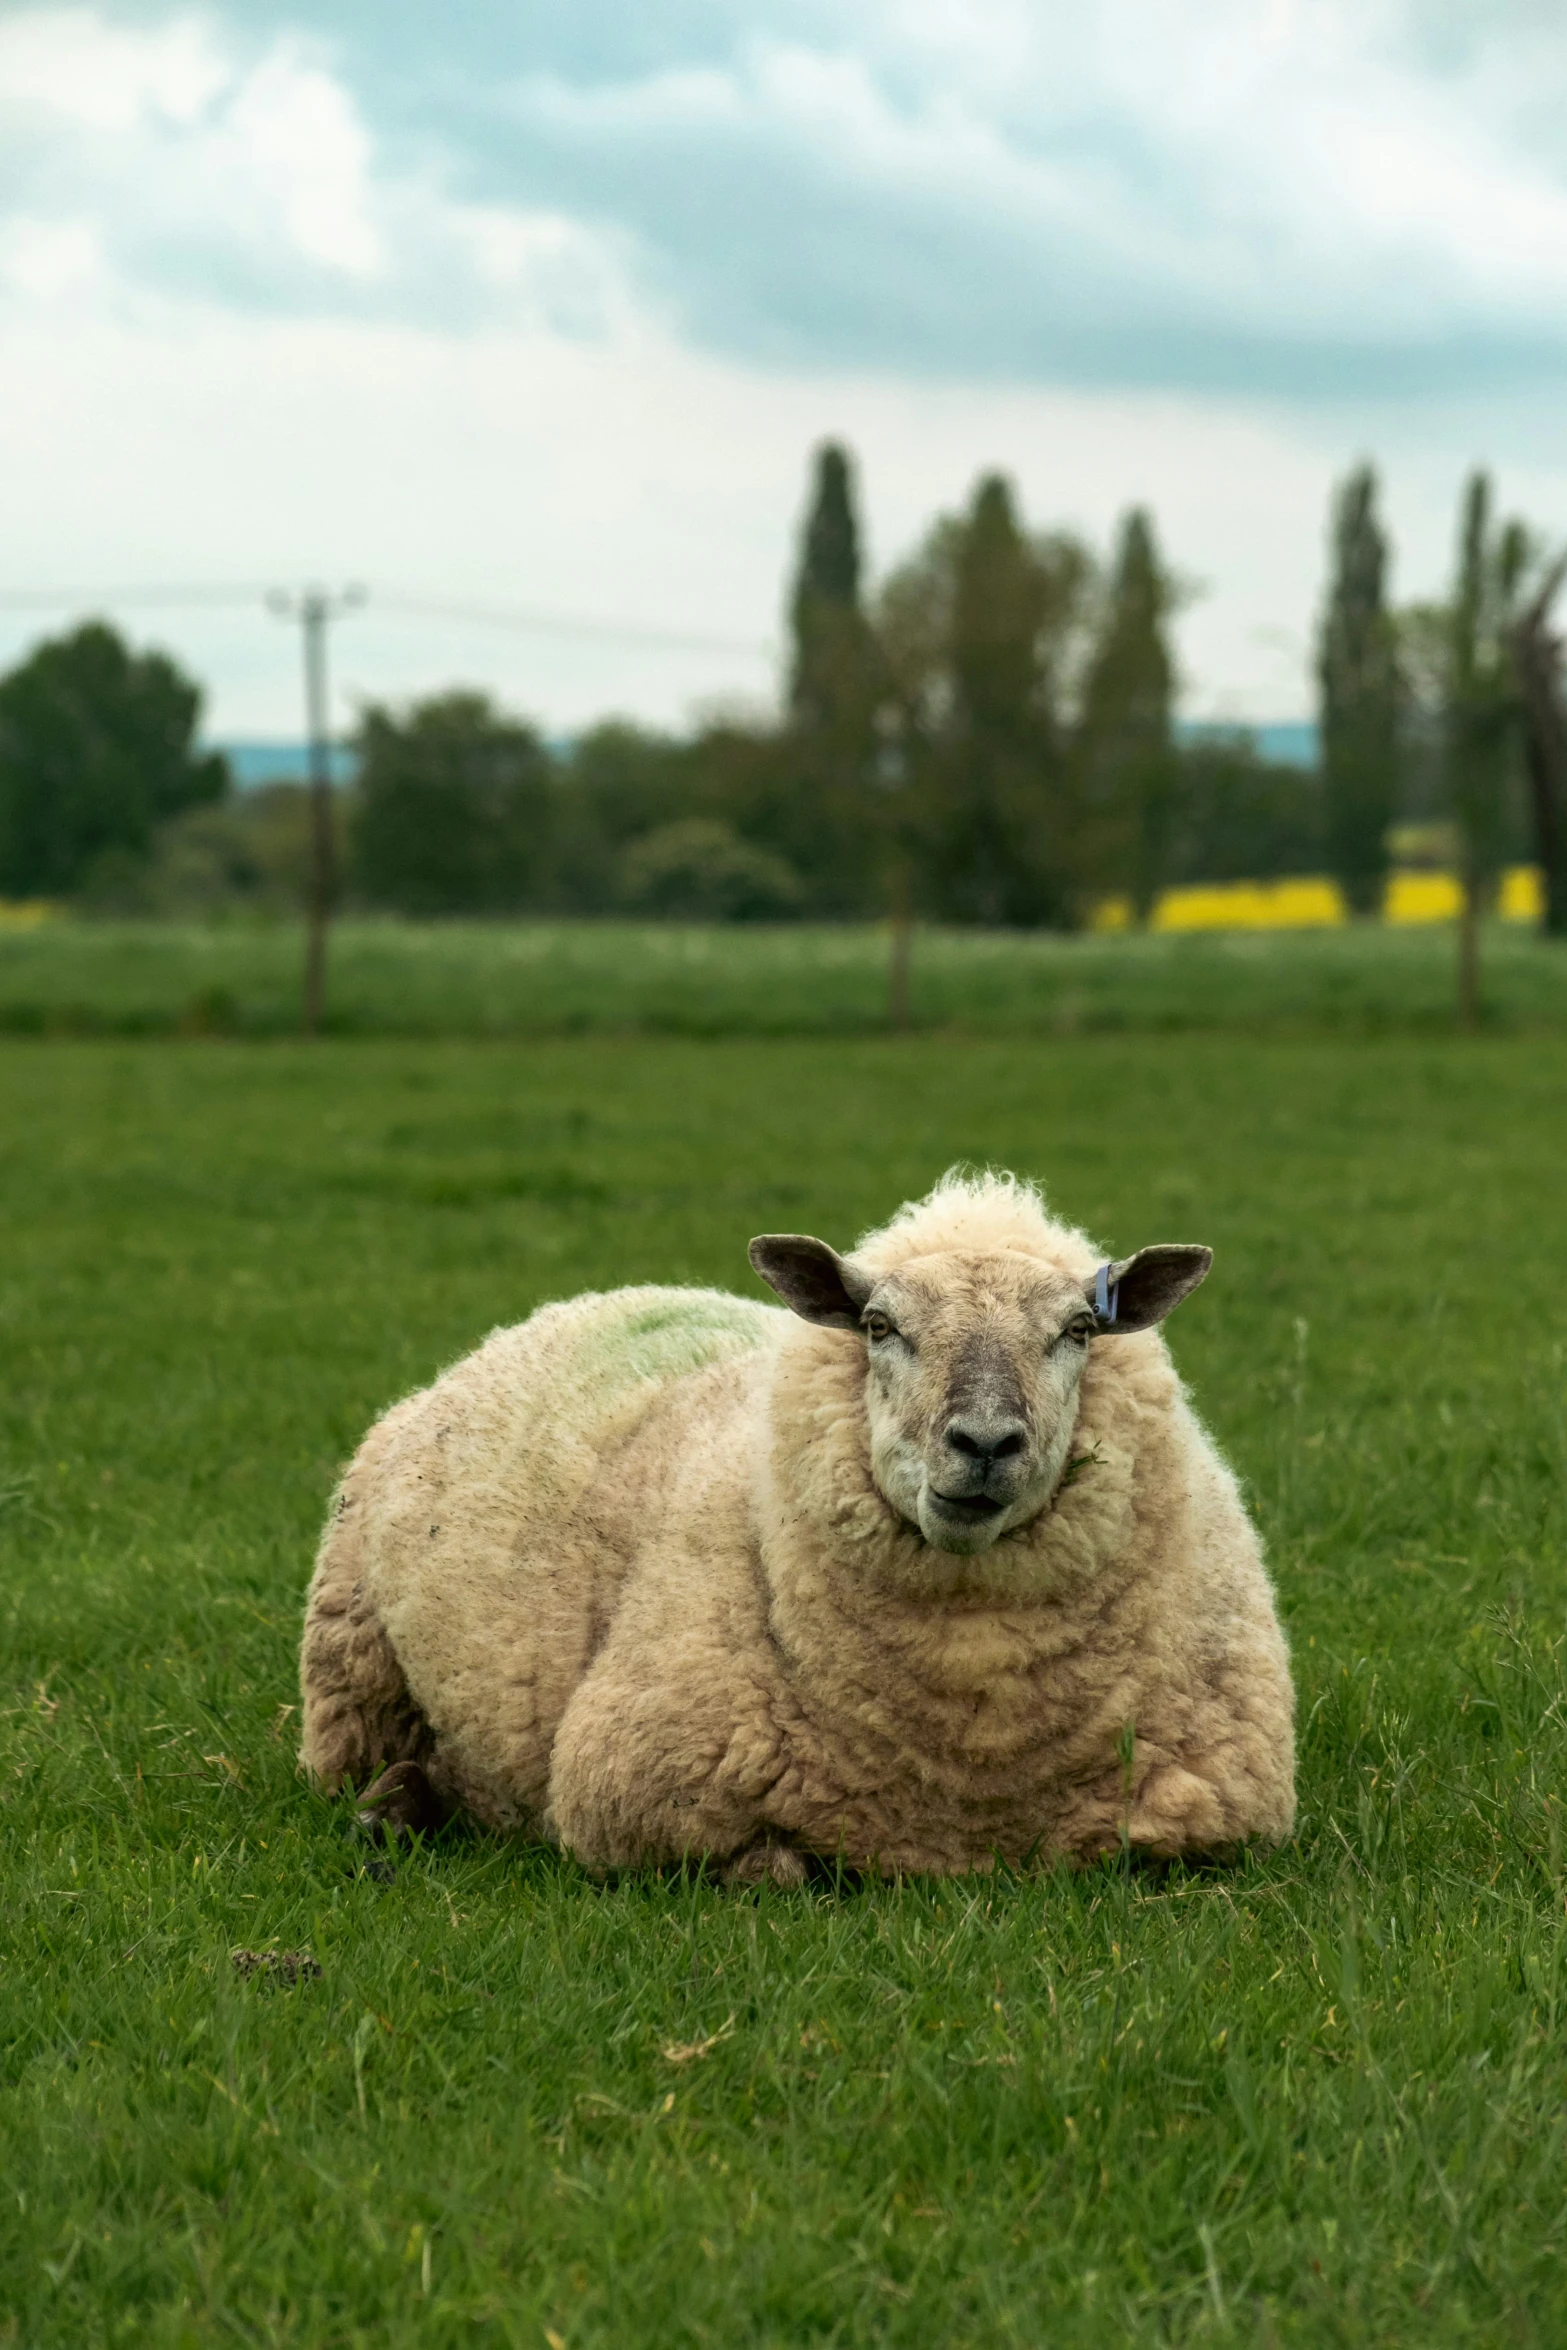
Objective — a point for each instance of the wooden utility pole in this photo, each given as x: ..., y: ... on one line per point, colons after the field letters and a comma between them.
x: 899, y: 1008
x: 314, y: 608
x: 891, y: 776
x: 1470, y: 892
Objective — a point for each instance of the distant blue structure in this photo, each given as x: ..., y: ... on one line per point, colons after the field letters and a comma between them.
x: 256, y: 763
x: 1287, y: 742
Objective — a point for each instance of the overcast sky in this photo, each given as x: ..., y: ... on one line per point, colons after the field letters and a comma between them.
x: 541, y: 307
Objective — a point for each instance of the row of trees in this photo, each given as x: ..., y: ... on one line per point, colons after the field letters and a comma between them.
x: 1015, y: 700
x: 994, y: 730
x: 987, y: 738
x: 1452, y: 710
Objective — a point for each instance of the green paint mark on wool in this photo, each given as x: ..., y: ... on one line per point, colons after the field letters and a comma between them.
x: 667, y: 1335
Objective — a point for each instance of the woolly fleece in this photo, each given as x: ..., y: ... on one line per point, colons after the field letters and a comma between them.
x: 622, y: 1579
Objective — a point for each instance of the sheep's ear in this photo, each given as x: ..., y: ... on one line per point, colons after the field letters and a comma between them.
x: 1135, y: 1292
x: 811, y: 1278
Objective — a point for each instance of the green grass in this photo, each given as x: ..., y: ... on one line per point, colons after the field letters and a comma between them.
x: 540, y: 979
x: 1319, y: 2100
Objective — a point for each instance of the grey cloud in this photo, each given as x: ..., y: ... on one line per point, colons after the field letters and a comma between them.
x: 1032, y: 225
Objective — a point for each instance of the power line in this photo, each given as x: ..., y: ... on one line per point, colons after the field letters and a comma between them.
x: 402, y: 601
x: 572, y: 624
x: 52, y: 599
x: 315, y: 607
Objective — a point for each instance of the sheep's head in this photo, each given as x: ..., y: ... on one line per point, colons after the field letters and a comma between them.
x: 973, y: 1366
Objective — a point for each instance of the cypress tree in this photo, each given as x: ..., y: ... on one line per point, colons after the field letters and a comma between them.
x: 1357, y: 670
x: 830, y: 828
x: 1126, y: 723
x: 1482, y: 713
x: 832, y: 680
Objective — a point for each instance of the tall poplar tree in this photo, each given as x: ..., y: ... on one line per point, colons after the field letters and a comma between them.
x: 1483, y: 713
x: 1357, y: 670
x: 1128, y: 752
x: 833, y: 831
x: 832, y: 682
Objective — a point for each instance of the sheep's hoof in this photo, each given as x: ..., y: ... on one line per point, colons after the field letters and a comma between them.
x: 400, y: 1803
x: 767, y: 1864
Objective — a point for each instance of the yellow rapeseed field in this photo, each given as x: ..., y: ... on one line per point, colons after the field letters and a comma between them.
x: 1313, y: 902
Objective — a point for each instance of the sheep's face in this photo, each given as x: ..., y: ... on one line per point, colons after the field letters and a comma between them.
x: 974, y: 1366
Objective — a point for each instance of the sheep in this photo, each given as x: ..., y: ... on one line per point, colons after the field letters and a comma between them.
x: 935, y: 1569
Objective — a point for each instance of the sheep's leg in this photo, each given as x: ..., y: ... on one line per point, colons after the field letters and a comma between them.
x: 662, y: 1758
x: 1182, y: 1807
x: 1177, y: 1812
x: 401, y: 1802
x: 766, y: 1864
x: 358, y: 1713
x: 1227, y: 1781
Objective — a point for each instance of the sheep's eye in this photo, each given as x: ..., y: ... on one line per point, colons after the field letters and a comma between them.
x: 1080, y: 1329
x: 875, y: 1325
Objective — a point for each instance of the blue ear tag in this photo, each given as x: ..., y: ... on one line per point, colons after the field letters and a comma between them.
x: 1107, y: 1297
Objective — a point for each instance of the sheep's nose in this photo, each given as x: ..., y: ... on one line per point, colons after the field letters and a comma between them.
x: 987, y: 1440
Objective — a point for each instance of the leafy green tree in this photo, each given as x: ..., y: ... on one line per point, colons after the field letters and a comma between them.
x: 1359, y: 683
x: 97, y: 748
x: 1129, y: 774
x: 1537, y: 659
x: 456, y: 809
x: 758, y: 780
x: 1238, y: 816
x: 1425, y: 659
x: 618, y: 782
x: 1483, y: 711
x: 247, y: 852
x: 699, y: 870
x: 999, y: 834
x: 999, y: 601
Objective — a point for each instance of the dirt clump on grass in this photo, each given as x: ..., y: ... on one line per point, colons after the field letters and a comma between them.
x: 277, y: 1966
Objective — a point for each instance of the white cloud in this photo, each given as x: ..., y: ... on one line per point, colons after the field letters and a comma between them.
x: 162, y: 143
x: 103, y: 78
x: 246, y: 175
x: 240, y: 341
x: 45, y: 259
x: 1252, y: 194
x: 294, y: 134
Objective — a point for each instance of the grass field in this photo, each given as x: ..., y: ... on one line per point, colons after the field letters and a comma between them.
x: 1321, y: 2099
x: 539, y: 979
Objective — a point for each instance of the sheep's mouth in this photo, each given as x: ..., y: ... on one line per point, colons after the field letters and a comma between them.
x: 970, y: 1505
